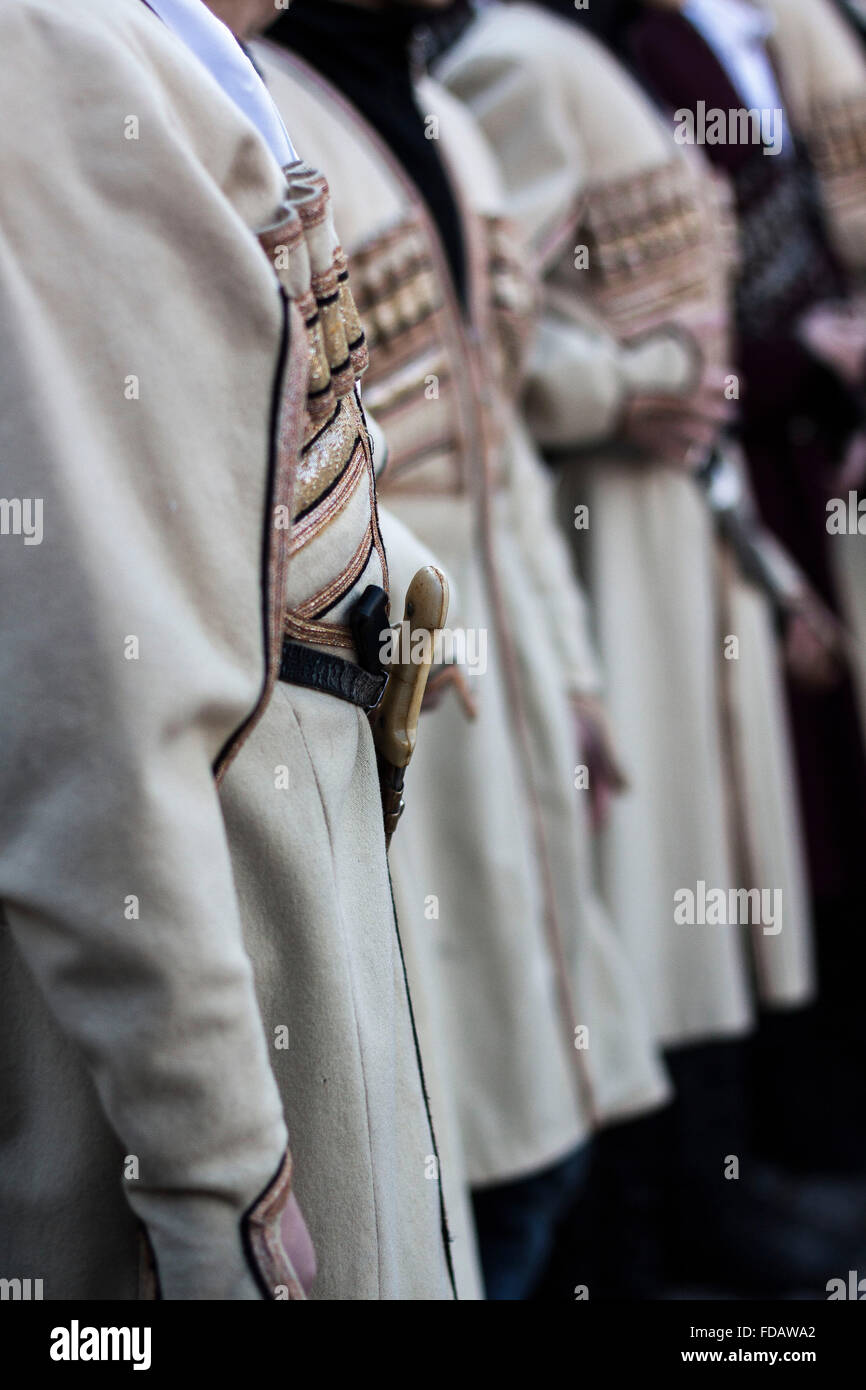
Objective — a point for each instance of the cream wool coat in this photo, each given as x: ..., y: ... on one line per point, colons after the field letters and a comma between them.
x: 156, y: 935
x: 824, y: 67
x: 705, y: 747
x: 473, y: 893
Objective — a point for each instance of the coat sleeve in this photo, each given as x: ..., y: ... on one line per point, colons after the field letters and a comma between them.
x: 517, y: 70
x: 581, y: 377
x: 501, y: 69
x: 407, y: 554
x: 135, y: 450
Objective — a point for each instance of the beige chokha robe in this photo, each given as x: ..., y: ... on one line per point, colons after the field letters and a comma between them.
x: 189, y: 978
x: 587, y: 166
x: 824, y: 65
x: 489, y: 863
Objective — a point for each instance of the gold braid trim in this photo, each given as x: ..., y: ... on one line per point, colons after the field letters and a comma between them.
x: 839, y: 150
x: 839, y: 140
x: 395, y: 284
x: 655, y: 238
x: 310, y: 266
x: 515, y: 299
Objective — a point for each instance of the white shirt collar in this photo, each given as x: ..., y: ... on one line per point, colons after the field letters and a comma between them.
x: 739, y: 21
x: 219, y: 51
x: 737, y: 31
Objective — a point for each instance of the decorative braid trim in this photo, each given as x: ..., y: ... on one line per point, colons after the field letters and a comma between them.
x: 515, y: 298
x: 316, y: 634
x: 839, y: 151
x: 663, y: 229
x: 839, y: 140
x: 261, y: 1230
x: 335, y: 589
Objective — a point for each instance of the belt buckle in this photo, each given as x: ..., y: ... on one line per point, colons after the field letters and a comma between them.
x: 385, y: 676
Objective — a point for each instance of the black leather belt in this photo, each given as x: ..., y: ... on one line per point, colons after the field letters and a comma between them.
x: 332, y: 675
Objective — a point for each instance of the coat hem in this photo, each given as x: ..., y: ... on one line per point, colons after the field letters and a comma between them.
x: 525, y: 1162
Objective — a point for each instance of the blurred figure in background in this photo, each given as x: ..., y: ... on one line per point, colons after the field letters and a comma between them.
x: 632, y: 393
x: 800, y: 348
x: 826, y: 96
x: 543, y: 1021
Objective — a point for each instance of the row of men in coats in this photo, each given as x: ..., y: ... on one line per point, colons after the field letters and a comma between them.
x: 285, y: 324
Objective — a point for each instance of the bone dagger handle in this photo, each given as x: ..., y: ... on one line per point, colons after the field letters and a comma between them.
x: 395, y: 721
